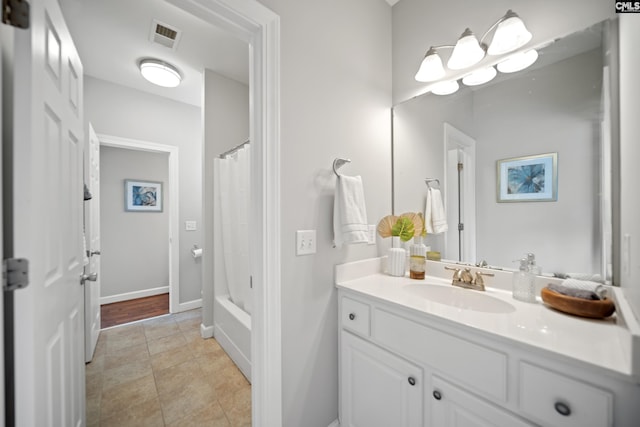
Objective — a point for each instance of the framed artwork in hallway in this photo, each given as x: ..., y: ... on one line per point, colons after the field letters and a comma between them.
x: 142, y: 196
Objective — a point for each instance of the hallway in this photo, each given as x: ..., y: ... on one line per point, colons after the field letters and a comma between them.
x: 160, y: 372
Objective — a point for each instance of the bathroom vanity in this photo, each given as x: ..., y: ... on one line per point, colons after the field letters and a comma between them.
x: 425, y: 353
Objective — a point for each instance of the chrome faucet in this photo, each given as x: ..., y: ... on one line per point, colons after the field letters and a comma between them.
x: 465, y: 279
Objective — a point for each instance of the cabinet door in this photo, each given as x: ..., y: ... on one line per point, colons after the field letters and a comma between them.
x: 453, y: 407
x: 378, y: 389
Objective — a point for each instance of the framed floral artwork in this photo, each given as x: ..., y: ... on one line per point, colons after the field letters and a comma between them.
x: 528, y: 178
x: 142, y: 196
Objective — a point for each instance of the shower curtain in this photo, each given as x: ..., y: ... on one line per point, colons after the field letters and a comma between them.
x: 232, y: 178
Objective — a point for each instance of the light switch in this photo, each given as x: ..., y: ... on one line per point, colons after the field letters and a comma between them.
x: 190, y: 225
x: 305, y: 242
x: 371, y: 235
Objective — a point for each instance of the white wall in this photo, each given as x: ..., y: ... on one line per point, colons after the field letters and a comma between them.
x: 127, y: 113
x: 335, y: 102
x: 226, y: 124
x: 144, y: 265
x: 419, y: 24
x: 629, y: 155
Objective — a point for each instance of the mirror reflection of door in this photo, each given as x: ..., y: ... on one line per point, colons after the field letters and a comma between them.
x: 460, y: 195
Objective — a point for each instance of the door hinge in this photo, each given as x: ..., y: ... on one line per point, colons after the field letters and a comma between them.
x: 460, y: 166
x: 15, y: 274
x: 16, y: 13
x: 461, y: 227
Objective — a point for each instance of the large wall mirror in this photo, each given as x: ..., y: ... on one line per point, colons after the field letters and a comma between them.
x: 560, y: 105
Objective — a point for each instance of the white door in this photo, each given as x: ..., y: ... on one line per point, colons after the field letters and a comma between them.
x: 378, y: 388
x: 47, y: 207
x: 92, y: 231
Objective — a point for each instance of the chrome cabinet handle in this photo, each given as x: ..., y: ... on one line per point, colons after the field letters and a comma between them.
x: 352, y: 316
x: 412, y: 381
x: 562, y: 408
x: 437, y: 395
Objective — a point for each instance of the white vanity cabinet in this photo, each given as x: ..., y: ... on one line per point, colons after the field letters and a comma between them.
x: 379, y: 389
x: 399, y: 367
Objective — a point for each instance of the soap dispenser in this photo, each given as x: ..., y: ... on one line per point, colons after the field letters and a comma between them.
x: 523, y: 282
x: 417, y: 261
x: 534, y: 269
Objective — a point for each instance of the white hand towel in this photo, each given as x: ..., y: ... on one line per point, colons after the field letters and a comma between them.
x: 434, y: 215
x: 349, y: 212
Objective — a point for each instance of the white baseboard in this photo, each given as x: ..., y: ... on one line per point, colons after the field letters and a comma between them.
x: 189, y: 305
x: 234, y: 352
x: 336, y: 423
x: 133, y: 295
x: 206, y: 331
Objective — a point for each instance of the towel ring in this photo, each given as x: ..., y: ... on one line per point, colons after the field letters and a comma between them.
x: 430, y: 180
x: 338, y: 163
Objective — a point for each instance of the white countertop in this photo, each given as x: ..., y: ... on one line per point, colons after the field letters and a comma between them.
x: 605, y: 343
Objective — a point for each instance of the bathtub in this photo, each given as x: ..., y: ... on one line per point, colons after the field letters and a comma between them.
x: 232, y: 330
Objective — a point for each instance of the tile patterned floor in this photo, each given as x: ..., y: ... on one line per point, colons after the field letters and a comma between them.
x: 160, y: 372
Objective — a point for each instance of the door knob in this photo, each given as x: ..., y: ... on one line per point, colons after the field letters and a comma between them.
x: 92, y: 277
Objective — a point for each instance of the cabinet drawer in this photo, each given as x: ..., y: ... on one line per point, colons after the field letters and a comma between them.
x: 479, y: 368
x: 560, y: 401
x: 355, y: 316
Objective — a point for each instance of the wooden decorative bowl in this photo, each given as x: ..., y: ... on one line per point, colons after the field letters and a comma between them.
x: 594, y: 309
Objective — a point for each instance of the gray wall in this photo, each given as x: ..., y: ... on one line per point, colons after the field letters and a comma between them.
x: 135, y: 250
x: 226, y: 124
x: 124, y: 112
x: 335, y: 100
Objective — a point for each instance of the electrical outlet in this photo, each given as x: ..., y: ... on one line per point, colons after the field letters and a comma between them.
x: 305, y: 242
x: 190, y: 226
x: 371, y: 235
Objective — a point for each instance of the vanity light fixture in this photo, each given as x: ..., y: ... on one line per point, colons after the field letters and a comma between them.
x: 510, y: 34
x: 431, y: 68
x: 467, y: 52
x: 445, y: 88
x: 159, y: 72
x: 480, y: 76
x: 518, y: 61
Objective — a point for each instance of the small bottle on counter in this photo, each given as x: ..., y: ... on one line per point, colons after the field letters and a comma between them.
x: 523, y: 283
x: 417, y: 262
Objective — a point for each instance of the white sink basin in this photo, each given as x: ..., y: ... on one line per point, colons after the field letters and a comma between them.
x: 466, y: 299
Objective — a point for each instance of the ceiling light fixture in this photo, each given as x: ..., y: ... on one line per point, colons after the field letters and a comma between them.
x: 160, y: 73
x: 510, y: 34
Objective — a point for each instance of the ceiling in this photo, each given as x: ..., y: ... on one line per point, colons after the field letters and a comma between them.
x: 112, y: 36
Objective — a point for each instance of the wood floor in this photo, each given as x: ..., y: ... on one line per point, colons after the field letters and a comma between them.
x: 119, y: 313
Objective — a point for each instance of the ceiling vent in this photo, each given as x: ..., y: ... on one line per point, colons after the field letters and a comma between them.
x: 164, y: 34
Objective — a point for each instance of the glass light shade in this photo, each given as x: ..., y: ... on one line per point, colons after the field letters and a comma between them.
x: 466, y: 53
x: 445, y: 88
x: 510, y: 35
x: 480, y: 76
x: 431, y: 68
x: 518, y: 61
x: 160, y: 73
